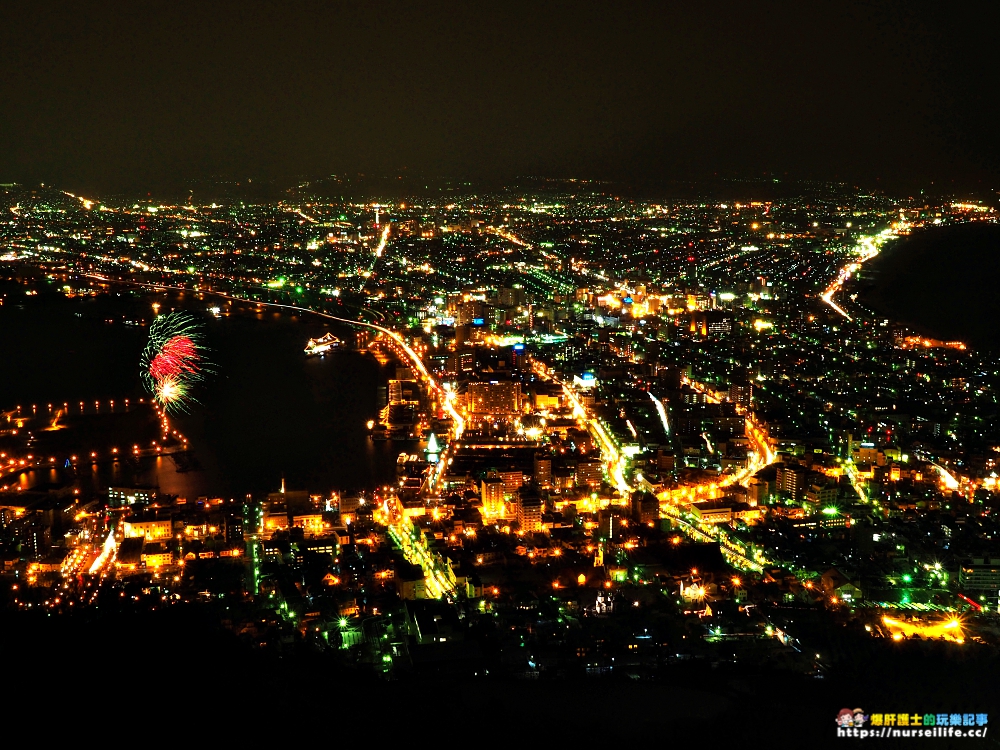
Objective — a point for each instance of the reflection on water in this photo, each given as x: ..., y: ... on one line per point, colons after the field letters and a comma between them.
x: 268, y: 412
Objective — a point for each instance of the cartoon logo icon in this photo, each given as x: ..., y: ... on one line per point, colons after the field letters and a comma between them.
x: 848, y: 718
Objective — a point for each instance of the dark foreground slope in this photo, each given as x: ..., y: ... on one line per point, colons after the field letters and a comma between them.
x: 176, y: 674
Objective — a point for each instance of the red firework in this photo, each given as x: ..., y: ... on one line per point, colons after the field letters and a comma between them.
x: 178, y: 355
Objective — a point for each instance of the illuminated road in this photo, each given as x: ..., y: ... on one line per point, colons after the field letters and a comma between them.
x: 761, y: 454
x: 508, y: 235
x: 735, y: 552
x: 379, y: 249
x: 948, y: 480
x: 662, y: 412
x: 445, y: 395
x: 672, y: 501
x: 852, y: 474
x: 411, y: 541
x: 866, y: 249
x: 382, y: 242
x: 107, y: 555
x: 613, y: 458
x: 425, y: 376
x: 308, y: 218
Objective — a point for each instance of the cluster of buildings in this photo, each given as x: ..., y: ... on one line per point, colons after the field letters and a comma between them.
x: 622, y: 405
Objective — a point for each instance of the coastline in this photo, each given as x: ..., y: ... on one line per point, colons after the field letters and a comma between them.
x: 271, y: 410
x: 931, y: 283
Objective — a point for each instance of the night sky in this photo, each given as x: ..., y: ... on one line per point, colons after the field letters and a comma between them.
x: 111, y: 95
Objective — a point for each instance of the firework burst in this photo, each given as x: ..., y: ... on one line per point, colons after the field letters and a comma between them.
x: 173, y: 360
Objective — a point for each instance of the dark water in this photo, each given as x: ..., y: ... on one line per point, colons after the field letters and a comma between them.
x: 939, y: 282
x: 267, y: 411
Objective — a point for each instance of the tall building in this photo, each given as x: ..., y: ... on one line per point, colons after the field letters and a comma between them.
x: 716, y: 322
x: 462, y: 361
x: 758, y: 491
x: 468, y: 312
x: 404, y: 392
x: 511, y: 297
x: 822, y: 495
x: 589, y: 471
x: 543, y: 470
x: 529, y: 509
x: 741, y: 393
x: 512, y: 481
x: 491, y: 490
x: 518, y: 357
x: 645, y: 507
x: 234, y: 528
x: 792, y: 479
x: 665, y: 460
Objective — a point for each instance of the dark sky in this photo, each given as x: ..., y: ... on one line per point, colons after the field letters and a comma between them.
x: 103, y: 94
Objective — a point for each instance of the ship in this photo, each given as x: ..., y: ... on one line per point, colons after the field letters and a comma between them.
x: 322, y: 345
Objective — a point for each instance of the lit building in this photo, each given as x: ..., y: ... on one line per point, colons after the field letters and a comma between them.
x: 749, y: 514
x: 234, y: 528
x: 822, y: 495
x: 645, y: 507
x: 543, y: 471
x: 529, y: 511
x: 741, y: 393
x: 495, y: 398
x: 157, y: 556
x: 409, y: 581
x: 275, y: 521
x: 836, y: 583
x: 713, y: 511
x: 589, y: 471
x: 348, y: 508
x: 710, y: 322
x: 404, y: 392
x: 312, y: 524
x: 492, y: 494
x: 762, y: 486
x: 461, y: 361
x: 546, y: 400
x: 119, y: 497
x: 129, y: 554
x: 151, y: 530
x: 792, y: 479
x: 980, y: 574
x: 564, y: 477
x: 512, y: 481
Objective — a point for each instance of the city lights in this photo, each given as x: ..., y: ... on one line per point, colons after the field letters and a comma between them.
x: 601, y: 409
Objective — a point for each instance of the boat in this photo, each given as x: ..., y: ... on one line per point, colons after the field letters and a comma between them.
x: 322, y: 345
